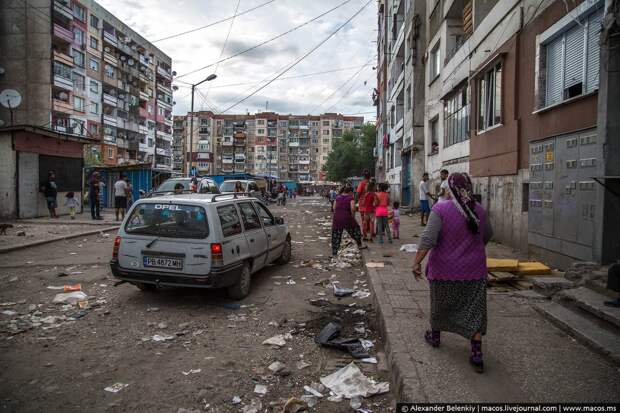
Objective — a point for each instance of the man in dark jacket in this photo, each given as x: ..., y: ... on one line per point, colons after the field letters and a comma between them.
x: 50, y: 190
x: 94, y: 186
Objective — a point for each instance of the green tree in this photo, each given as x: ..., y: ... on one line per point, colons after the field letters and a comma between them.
x: 351, y: 154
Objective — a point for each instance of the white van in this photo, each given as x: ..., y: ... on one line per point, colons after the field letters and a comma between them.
x: 194, y: 240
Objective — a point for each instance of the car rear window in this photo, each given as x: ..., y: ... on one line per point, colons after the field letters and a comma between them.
x: 168, y: 186
x: 229, y: 220
x: 229, y: 186
x: 168, y: 220
x: 250, y: 219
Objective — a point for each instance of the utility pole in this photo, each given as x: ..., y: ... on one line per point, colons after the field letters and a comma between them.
x: 191, y: 123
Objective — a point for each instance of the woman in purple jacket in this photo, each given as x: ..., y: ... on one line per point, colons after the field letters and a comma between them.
x: 456, y: 235
x: 344, y: 220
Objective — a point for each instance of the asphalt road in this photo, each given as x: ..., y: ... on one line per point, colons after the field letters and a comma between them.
x: 212, y: 350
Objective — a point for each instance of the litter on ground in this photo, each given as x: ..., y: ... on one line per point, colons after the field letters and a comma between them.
x: 349, y: 382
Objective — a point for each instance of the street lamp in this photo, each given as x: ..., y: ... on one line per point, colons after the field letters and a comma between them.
x: 191, y: 124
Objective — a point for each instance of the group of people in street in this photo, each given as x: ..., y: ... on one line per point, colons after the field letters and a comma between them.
x: 456, y: 232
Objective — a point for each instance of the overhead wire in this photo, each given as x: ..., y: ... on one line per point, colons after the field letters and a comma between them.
x: 297, y: 61
x: 266, y: 41
x: 232, y: 22
x: 214, y: 23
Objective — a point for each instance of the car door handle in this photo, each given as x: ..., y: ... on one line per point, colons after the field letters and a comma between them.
x: 238, y: 249
x: 251, y: 239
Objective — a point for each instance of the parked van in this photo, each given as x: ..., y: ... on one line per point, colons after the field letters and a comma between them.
x: 205, y: 241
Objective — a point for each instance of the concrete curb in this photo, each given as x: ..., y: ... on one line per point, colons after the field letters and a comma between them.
x: 404, y: 377
x: 4, y: 250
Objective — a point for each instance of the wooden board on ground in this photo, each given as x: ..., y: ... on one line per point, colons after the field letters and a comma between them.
x: 507, y: 265
x: 521, y: 284
x: 501, y: 276
x: 533, y: 268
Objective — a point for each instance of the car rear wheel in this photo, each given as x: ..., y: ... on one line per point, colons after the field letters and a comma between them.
x: 146, y: 287
x: 242, y: 288
x: 285, y: 257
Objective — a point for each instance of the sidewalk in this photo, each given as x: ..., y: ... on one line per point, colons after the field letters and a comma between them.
x: 27, y: 233
x: 527, y: 359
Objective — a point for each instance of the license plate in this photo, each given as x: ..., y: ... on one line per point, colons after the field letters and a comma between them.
x: 163, y: 262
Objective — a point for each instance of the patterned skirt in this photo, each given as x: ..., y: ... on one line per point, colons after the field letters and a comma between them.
x: 459, y: 307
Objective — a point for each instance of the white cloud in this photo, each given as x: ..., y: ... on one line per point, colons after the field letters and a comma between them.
x: 352, y: 46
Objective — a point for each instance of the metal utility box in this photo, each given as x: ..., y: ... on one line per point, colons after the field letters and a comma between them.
x: 563, y: 196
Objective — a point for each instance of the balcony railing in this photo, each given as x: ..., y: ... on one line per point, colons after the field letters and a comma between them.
x: 163, y: 72
x: 144, y: 96
x: 62, y: 106
x: 63, y: 9
x: 63, y: 82
x: 143, y: 112
x: 110, y: 100
x: 109, y: 120
x: 62, y: 33
x: 63, y: 58
x: 110, y: 38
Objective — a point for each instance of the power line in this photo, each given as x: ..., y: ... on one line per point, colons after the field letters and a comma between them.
x: 285, y: 77
x: 232, y: 22
x: 302, y: 57
x: 342, y: 97
x: 338, y: 88
x: 214, y: 23
x: 266, y: 41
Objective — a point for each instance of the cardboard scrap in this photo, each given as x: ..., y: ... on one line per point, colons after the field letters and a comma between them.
x: 374, y: 265
x: 496, y: 264
x: 533, y: 268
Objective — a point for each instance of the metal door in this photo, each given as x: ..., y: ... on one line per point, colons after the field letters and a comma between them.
x: 406, y: 171
x: 586, y: 187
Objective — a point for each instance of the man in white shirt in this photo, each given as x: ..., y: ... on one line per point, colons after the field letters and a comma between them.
x: 444, y: 190
x: 120, y: 196
x: 425, y: 208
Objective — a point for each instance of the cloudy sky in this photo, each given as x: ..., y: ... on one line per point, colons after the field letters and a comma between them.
x: 347, y: 88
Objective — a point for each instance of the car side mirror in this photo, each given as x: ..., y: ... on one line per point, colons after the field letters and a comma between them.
x: 279, y: 221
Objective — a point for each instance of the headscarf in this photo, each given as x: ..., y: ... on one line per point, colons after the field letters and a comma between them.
x: 462, y: 194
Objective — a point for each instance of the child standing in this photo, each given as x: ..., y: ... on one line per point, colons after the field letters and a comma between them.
x: 369, y: 202
x: 395, y: 220
x: 381, y: 212
x: 72, y: 203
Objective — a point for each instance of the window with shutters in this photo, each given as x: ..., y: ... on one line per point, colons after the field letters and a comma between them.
x: 569, y: 59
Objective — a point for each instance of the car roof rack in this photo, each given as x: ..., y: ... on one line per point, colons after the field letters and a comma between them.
x: 232, y: 195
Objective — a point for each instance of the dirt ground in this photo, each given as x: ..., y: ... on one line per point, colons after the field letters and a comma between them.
x: 56, y: 357
x: 23, y: 233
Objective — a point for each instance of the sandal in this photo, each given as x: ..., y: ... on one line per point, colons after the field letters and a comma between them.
x: 432, y: 337
x: 475, y: 359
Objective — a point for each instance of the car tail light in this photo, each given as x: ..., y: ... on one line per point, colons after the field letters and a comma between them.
x: 117, y: 246
x: 216, y: 252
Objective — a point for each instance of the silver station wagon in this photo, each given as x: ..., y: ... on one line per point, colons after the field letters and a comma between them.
x: 194, y: 240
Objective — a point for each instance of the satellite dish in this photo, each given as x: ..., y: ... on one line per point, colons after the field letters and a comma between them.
x: 130, y: 62
x: 174, y: 73
x: 63, y: 95
x: 10, y: 98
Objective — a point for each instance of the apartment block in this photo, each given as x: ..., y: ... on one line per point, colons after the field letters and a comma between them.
x: 510, y: 96
x: 400, y: 85
x: 289, y: 147
x: 83, y: 72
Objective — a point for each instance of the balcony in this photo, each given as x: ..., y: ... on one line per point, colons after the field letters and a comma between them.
x: 63, y: 58
x: 122, y: 143
x: 239, y: 142
x: 164, y: 88
x: 227, y: 160
x: 110, y: 59
x: 144, y: 96
x: 144, y: 60
x: 163, y: 167
x: 304, y: 161
x: 62, y: 106
x: 62, y: 33
x: 227, y: 141
x: 164, y: 105
x: 110, y: 38
x: 143, y: 113
x: 293, y: 144
x: 163, y: 72
x: 164, y: 135
x: 63, y: 9
x: 143, y: 147
x: 239, y: 158
x: 63, y: 82
x: 109, y: 120
x: 110, y: 100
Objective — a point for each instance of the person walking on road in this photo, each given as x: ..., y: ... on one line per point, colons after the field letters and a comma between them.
x: 443, y: 188
x: 50, y: 191
x: 120, y: 197
x: 382, y: 210
x: 425, y: 196
x: 369, y: 203
x: 94, y: 188
x: 395, y: 220
x: 332, y: 198
x: 72, y: 203
x: 360, y: 191
x: 456, y: 235
x: 344, y: 220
